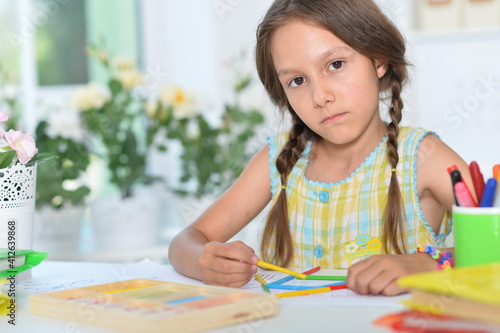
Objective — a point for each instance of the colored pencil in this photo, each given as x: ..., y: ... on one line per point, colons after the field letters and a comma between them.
x: 325, y: 277
x: 280, y: 269
x: 262, y: 283
x: 288, y: 278
x: 311, y: 291
x: 293, y: 287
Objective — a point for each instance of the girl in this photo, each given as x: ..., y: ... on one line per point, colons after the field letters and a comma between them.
x: 347, y: 189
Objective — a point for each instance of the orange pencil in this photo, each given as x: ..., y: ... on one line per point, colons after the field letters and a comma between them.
x: 496, y: 171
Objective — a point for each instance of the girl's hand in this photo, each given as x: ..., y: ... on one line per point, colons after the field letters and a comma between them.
x: 228, y: 264
x: 378, y: 274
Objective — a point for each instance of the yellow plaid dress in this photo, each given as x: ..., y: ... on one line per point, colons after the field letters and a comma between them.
x: 335, y: 225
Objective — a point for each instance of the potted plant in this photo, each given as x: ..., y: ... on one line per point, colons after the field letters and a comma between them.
x: 17, y: 187
x: 213, y: 154
x: 61, y: 190
x: 115, y: 118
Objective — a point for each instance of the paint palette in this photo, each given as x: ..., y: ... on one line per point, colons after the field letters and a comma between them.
x: 154, y: 306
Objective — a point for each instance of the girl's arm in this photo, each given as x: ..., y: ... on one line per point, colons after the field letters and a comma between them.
x: 378, y: 274
x: 200, y: 251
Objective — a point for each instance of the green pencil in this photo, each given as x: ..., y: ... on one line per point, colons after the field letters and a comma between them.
x: 325, y: 277
x: 266, y: 289
x: 262, y: 283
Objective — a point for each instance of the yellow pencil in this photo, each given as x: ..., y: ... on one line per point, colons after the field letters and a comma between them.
x: 280, y: 269
x: 258, y: 278
x: 262, y: 283
x: 304, y: 292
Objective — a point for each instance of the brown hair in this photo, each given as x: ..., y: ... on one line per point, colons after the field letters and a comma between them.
x: 361, y: 25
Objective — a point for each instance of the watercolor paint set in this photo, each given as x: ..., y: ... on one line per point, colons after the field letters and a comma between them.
x: 155, y: 306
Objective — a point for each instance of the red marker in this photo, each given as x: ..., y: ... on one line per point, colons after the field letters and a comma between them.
x: 477, y: 180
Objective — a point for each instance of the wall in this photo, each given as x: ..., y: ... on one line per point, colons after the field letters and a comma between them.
x: 455, y: 79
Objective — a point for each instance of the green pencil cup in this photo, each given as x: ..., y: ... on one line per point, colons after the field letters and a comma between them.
x: 476, y: 235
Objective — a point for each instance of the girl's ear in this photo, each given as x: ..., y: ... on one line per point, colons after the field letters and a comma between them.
x: 381, y: 68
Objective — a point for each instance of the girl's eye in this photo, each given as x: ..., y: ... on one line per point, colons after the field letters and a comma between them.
x: 297, y: 81
x: 336, y: 65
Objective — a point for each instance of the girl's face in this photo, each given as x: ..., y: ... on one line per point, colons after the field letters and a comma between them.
x: 332, y: 88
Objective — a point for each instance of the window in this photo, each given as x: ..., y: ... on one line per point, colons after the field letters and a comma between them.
x: 60, y: 42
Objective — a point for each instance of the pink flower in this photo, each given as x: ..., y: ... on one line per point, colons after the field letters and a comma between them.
x: 23, y: 144
x: 3, y: 117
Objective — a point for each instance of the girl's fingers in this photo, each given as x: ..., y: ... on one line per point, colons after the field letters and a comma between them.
x: 229, y: 266
x: 381, y: 283
x: 243, y: 246
x: 230, y: 251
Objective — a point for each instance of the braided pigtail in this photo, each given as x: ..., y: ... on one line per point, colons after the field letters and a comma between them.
x: 394, y: 224
x: 277, y: 225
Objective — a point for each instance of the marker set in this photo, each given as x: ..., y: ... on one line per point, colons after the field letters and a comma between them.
x: 154, y: 306
x: 486, y: 192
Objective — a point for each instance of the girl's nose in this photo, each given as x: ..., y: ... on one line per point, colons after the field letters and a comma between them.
x: 322, y: 93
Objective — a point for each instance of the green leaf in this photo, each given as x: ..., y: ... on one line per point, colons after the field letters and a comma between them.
x: 42, y: 158
x: 243, y: 83
x: 6, y: 158
x: 115, y: 86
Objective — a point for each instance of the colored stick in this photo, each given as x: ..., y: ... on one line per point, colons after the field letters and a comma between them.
x: 280, y: 269
x: 325, y: 277
x: 262, y: 283
x: 310, y: 291
x: 292, y: 287
x: 288, y: 278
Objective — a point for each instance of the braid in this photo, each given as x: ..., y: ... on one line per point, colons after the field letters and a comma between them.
x: 277, y: 224
x: 394, y: 225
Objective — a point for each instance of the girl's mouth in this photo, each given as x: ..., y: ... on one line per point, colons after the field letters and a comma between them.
x: 333, y: 118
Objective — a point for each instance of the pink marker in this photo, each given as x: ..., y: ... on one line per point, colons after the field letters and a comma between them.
x: 463, y: 196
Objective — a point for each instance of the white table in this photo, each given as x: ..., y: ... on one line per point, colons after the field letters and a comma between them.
x: 291, y: 318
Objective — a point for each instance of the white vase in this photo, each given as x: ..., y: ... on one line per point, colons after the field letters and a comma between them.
x: 126, y: 224
x: 17, y: 206
x: 57, y: 231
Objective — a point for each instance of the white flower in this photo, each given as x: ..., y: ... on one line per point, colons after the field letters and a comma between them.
x: 350, y: 247
x: 66, y: 124
x: 130, y: 78
x: 123, y: 63
x: 150, y: 108
x: 253, y: 98
x: 88, y: 97
x: 182, y: 103
x: 193, y: 131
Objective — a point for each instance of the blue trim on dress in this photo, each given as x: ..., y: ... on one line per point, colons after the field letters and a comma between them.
x: 315, y: 183
x: 272, y: 166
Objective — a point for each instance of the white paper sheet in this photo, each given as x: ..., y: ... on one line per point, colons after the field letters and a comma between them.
x: 99, y: 274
